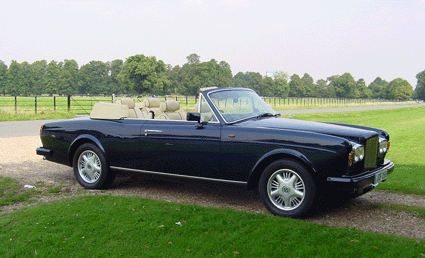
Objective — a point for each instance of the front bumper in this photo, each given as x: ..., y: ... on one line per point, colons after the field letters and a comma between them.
x: 362, y: 183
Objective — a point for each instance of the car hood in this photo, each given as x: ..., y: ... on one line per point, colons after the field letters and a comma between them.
x: 351, y: 132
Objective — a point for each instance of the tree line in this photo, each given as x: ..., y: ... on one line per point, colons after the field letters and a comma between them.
x: 141, y: 74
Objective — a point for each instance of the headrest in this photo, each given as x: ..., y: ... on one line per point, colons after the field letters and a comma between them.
x: 169, y: 106
x: 126, y: 101
x: 103, y: 110
x: 151, y: 102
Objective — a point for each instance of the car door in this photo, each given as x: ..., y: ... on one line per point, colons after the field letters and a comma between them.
x: 180, y: 147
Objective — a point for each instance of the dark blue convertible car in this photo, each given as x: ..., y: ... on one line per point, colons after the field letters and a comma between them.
x: 233, y: 137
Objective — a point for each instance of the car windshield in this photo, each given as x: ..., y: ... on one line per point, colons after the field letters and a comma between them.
x: 236, y: 105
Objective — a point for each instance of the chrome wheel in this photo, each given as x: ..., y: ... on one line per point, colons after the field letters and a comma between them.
x: 286, y: 189
x: 89, y: 166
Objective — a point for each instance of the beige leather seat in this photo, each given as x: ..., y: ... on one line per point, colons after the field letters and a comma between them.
x: 171, y: 110
x: 150, y: 107
x: 103, y: 110
x: 134, y: 112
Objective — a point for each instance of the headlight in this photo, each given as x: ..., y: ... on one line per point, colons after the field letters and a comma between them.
x: 356, y: 154
x: 384, y: 146
x: 41, y: 128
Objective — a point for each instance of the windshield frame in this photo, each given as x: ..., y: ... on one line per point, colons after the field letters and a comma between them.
x: 217, y: 110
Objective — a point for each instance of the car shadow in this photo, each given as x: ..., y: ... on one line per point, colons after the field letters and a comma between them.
x: 193, y: 191
x: 218, y: 195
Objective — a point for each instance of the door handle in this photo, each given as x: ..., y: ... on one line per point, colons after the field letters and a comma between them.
x: 152, y: 131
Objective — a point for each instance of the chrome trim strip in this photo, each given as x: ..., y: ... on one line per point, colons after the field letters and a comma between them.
x: 176, y: 175
x: 153, y: 131
x: 173, y: 120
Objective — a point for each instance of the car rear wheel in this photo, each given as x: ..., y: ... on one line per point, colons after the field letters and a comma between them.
x: 287, y: 188
x: 91, y: 169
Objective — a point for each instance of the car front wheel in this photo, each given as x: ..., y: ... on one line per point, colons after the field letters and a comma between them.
x: 287, y: 188
x: 91, y: 169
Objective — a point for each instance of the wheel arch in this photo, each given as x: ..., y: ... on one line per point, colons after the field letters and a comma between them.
x: 272, y: 156
x: 80, y: 140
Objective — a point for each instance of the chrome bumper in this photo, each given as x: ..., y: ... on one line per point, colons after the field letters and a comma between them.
x: 364, y: 182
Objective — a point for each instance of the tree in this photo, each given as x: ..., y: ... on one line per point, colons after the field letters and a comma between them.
x: 13, y: 78
x: 69, y: 77
x: 196, y: 75
x: 143, y: 74
x: 308, y: 85
x: 399, y: 89
x: 281, y: 89
x: 115, y: 67
x: 377, y: 88
x: 325, y: 89
x: 93, y: 78
x: 345, y: 86
x: 296, y: 87
x: 256, y: 83
x: 364, y: 91
x: 64, y: 86
x: 3, y: 77
x: 420, y: 86
x: 268, y: 87
x: 193, y: 59
x: 51, y: 79
x: 38, y: 72
x: 26, y: 83
x: 174, y: 76
x: 241, y: 80
x: 224, y: 75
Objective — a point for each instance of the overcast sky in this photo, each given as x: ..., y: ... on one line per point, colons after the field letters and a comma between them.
x: 367, y: 38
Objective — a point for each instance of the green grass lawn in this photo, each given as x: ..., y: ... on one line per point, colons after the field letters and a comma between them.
x: 106, y: 226
x: 44, y: 115
x: 406, y: 127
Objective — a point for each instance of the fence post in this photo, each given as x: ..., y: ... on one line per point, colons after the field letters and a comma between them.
x: 35, y: 101
x: 69, y: 103
x: 54, y: 103
x: 16, y: 104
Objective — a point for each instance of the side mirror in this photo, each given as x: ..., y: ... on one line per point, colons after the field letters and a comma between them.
x: 193, y: 116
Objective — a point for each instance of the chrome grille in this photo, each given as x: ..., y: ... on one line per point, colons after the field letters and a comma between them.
x: 371, y: 152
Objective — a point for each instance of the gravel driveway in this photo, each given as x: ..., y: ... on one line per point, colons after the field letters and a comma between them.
x: 18, y: 160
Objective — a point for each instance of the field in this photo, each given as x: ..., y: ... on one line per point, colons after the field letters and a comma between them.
x: 76, y: 104
x: 83, y: 104
x: 129, y: 226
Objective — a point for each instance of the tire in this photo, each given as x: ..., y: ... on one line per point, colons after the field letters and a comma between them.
x: 287, y: 188
x: 91, y: 167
